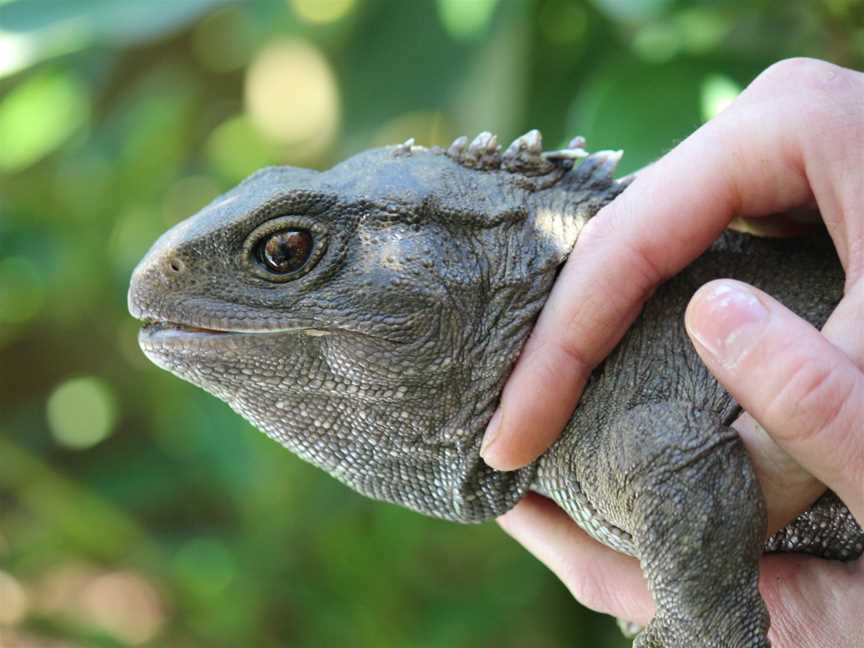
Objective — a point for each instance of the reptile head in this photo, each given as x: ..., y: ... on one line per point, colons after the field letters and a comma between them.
x: 366, y: 316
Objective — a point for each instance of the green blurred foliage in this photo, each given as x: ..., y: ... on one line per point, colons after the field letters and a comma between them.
x: 136, y: 510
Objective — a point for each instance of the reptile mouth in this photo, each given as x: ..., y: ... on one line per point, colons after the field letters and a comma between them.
x: 164, y: 331
x: 157, y: 326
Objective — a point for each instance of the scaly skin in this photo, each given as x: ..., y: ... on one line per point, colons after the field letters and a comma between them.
x: 367, y: 317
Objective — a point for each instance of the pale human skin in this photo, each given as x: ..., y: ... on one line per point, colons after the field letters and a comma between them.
x: 793, y: 139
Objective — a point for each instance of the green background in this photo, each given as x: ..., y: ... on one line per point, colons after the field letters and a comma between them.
x: 137, y: 510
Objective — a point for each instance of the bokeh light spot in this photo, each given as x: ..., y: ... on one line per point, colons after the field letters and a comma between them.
x: 632, y: 9
x: 57, y: 591
x: 291, y: 95
x: 16, y: 52
x: 122, y: 603
x: 657, y: 42
x: 37, y: 116
x: 464, y: 19
x: 703, y: 28
x: 563, y: 23
x: 236, y: 148
x: 14, y: 601
x: 22, y: 292
x: 717, y: 93
x: 125, y: 605
x: 319, y: 12
x: 205, y: 566
x: 81, y: 412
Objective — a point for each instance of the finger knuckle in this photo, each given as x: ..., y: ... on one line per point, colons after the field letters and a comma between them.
x: 647, y: 271
x: 816, y: 98
x: 570, y: 347
x: 793, y: 68
x: 804, y: 76
x: 640, y: 257
x: 814, y: 399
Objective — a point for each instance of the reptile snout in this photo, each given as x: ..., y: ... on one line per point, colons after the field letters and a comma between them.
x: 157, y: 275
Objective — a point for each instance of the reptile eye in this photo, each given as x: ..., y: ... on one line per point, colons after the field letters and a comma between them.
x: 286, y: 251
x: 284, y: 248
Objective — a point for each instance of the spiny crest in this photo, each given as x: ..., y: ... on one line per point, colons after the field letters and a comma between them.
x: 404, y: 148
x: 482, y: 153
x: 525, y: 155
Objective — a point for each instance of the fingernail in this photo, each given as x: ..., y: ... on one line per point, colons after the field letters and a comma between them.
x: 727, y: 319
x: 491, y: 434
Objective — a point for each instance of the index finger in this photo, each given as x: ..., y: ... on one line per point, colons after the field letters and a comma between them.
x: 760, y: 156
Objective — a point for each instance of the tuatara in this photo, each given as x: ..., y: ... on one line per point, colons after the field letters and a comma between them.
x: 366, y: 317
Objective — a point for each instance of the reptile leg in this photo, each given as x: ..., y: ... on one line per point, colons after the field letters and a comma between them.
x: 827, y: 530
x: 697, y: 519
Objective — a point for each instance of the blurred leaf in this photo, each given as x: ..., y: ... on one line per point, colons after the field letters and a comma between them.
x: 632, y: 9
x: 119, y: 21
x: 616, y: 109
x: 22, y: 292
x: 466, y: 20
x: 320, y: 12
x: 78, y: 519
x: 37, y: 116
x: 33, y: 30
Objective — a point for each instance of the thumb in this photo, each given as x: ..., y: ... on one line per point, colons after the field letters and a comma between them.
x: 805, y: 392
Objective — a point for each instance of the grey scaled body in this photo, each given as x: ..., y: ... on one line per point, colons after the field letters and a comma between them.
x: 366, y: 317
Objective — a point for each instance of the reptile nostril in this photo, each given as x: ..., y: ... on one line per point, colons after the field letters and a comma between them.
x: 175, y: 265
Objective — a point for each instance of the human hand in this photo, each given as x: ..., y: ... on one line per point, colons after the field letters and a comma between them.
x: 795, y: 137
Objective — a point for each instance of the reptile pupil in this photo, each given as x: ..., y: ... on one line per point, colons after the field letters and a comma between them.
x: 287, y: 251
